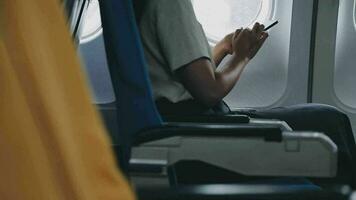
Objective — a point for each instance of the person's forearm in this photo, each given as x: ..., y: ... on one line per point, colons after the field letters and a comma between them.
x: 208, y: 85
x: 219, y: 53
x: 227, y: 76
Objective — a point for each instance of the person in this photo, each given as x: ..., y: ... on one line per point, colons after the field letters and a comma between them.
x: 186, y: 81
x: 182, y: 66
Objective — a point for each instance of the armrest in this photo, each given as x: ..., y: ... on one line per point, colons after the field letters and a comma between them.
x: 267, y: 132
x: 242, y: 191
x: 231, y: 118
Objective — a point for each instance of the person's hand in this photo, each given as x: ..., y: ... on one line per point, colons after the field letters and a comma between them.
x: 227, y: 41
x: 247, y: 43
x: 224, y: 47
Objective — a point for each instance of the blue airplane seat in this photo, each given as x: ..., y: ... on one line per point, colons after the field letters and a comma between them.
x: 135, y: 106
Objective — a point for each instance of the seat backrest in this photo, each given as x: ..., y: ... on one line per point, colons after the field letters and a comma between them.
x: 135, y: 105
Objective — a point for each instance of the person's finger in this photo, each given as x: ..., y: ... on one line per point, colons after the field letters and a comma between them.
x: 258, y: 45
x: 263, y: 39
x: 261, y: 28
x: 253, y: 34
x: 264, y: 35
x: 239, y: 30
x: 256, y: 27
x: 237, y: 33
x: 244, y: 33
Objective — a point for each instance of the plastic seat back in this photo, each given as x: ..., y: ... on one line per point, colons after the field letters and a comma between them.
x: 135, y: 105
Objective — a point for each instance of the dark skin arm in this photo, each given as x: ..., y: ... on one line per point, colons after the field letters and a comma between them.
x: 209, y: 86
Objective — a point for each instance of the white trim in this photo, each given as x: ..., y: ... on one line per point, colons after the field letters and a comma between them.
x: 354, y: 14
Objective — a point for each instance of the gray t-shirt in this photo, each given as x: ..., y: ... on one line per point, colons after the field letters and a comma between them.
x: 172, y: 38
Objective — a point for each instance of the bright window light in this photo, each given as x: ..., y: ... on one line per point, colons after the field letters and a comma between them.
x: 91, y: 28
x: 220, y: 17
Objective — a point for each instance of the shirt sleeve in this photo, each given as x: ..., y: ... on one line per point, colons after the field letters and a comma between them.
x: 180, y: 35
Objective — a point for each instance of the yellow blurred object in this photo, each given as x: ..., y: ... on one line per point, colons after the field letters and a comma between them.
x: 52, y: 143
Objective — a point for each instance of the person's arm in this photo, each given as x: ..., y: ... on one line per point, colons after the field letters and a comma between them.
x: 210, y: 86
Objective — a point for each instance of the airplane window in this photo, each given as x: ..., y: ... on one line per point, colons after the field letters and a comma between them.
x: 266, y: 81
x: 92, y: 23
x: 230, y: 15
x: 92, y: 51
x: 344, y: 84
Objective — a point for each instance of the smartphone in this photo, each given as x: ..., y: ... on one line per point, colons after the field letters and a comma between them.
x: 270, y: 26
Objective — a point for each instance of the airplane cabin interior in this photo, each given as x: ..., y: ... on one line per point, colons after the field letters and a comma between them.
x: 81, y: 117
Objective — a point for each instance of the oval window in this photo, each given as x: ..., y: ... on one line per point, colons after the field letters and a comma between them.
x: 225, y: 16
x: 91, y: 28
